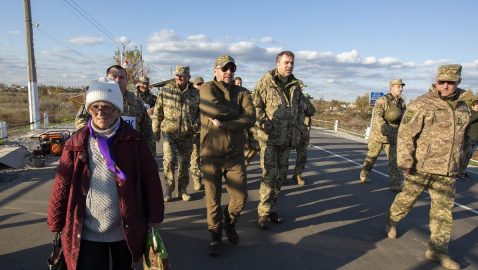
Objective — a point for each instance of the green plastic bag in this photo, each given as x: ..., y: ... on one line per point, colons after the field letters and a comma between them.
x: 155, y: 256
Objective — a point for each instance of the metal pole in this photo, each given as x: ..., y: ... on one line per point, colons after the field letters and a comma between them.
x: 32, y: 75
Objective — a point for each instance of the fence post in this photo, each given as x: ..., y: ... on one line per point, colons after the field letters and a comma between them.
x: 336, y: 125
x: 3, y: 130
x: 367, y: 133
x: 45, y: 120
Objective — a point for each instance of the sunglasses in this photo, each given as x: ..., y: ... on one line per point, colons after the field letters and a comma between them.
x: 104, y: 109
x: 230, y: 66
x: 447, y: 82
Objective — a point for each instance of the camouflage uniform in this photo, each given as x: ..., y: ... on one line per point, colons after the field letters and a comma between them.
x: 176, y: 116
x: 304, y: 124
x: 195, y: 167
x: 134, y: 113
x: 146, y: 97
x: 431, y: 141
x: 384, y: 136
x: 277, y: 108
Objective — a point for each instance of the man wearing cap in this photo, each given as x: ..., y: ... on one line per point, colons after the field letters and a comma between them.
x: 143, y: 93
x: 432, y: 140
x: 277, y: 100
x: 198, y: 81
x: 195, y: 168
x: 387, y: 114
x: 176, y: 117
x: 134, y: 112
x: 238, y: 81
x: 226, y: 110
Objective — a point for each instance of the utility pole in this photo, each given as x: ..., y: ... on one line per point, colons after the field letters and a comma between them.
x: 32, y: 74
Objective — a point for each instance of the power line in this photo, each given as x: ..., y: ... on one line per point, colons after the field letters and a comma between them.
x: 64, y: 45
x: 91, y: 20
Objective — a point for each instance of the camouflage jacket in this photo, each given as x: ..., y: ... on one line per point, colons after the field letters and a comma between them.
x: 232, y: 105
x: 146, y: 97
x: 134, y: 114
x: 382, y: 130
x: 176, y: 111
x: 306, y: 111
x: 277, y: 116
x: 432, y: 137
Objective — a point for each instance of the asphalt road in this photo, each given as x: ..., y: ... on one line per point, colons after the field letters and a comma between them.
x: 333, y: 222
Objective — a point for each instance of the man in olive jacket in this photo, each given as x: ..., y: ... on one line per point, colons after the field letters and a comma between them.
x: 226, y: 110
x: 432, y: 142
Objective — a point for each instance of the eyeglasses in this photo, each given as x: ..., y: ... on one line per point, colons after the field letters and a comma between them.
x: 447, y: 82
x: 145, y: 83
x: 104, y: 109
x: 230, y: 66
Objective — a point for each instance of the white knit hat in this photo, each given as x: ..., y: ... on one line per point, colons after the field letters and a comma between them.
x: 104, y: 89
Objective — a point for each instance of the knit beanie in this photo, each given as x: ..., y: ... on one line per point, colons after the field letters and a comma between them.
x: 104, y: 89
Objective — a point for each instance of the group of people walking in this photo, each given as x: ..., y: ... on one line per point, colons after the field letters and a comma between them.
x: 107, y: 190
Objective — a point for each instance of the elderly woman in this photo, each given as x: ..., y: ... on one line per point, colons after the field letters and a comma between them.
x: 107, y: 191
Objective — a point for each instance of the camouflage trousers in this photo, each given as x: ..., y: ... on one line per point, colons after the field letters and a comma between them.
x: 274, y: 165
x: 234, y: 171
x: 374, y: 149
x: 442, y: 195
x: 195, y: 167
x: 176, y: 148
x: 301, y: 150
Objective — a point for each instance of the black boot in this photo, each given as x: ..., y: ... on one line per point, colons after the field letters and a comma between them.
x: 216, y: 237
x: 230, y: 228
x: 275, y: 218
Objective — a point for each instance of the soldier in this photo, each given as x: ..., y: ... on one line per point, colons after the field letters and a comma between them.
x: 134, y: 113
x: 198, y: 81
x: 387, y: 114
x: 176, y: 117
x: 238, y: 81
x: 195, y: 168
x: 143, y: 93
x: 431, y: 140
x: 473, y: 134
x: 277, y: 100
x: 304, y: 123
x: 226, y: 110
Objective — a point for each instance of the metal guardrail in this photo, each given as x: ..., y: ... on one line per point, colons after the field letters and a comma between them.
x: 337, y: 129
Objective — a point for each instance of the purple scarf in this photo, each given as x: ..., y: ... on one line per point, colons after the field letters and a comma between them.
x: 103, y: 145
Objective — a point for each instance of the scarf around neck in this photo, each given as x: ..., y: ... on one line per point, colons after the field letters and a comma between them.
x: 105, y: 139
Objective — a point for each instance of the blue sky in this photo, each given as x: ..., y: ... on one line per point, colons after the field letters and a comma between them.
x: 344, y: 49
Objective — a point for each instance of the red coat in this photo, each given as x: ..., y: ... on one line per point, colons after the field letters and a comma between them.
x: 140, y: 198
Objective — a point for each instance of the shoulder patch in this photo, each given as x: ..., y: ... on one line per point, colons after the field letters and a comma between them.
x: 409, y: 114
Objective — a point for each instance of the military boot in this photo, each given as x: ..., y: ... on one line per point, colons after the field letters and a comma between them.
x: 168, y: 196
x: 185, y: 196
x: 216, y: 238
x: 364, y: 176
x: 262, y: 222
x: 229, y: 227
x: 391, y: 230
x: 275, y: 218
x: 298, y: 178
x: 443, y: 259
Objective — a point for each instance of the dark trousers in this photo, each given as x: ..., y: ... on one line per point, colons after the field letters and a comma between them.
x: 233, y: 170
x: 96, y: 256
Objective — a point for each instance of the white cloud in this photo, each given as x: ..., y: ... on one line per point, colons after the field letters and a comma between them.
x: 267, y: 40
x: 14, y: 32
x: 86, y: 40
x: 348, y: 57
x: 126, y: 41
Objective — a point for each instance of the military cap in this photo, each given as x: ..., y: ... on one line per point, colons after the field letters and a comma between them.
x: 222, y: 61
x: 449, y: 73
x: 198, y: 80
x: 144, y: 79
x: 182, y: 70
x: 397, y: 81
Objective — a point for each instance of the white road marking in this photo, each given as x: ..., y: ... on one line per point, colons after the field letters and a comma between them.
x: 386, y: 175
